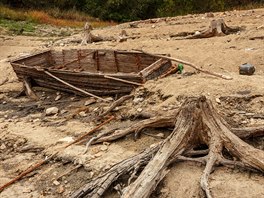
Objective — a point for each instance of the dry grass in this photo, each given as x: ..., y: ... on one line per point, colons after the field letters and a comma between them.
x: 52, y: 17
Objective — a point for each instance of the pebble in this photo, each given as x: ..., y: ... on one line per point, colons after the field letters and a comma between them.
x: 98, y: 154
x: 3, y: 147
x: 89, y: 102
x: 60, y: 189
x: 104, y: 148
x: 83, y: 114
x: 58, y: 97
x: 218, y: 100
x: 56, y: 183
x: 139, y: 109
x: 138, y: 100
x: 161, y: 135
x: 63, y: 111
x: 52, y: 111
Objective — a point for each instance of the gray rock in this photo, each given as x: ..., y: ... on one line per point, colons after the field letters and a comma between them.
x: 52, y: 111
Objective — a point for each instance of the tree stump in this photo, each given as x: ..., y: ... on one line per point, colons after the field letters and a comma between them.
x: 196, y: 123
x: 217, y: 28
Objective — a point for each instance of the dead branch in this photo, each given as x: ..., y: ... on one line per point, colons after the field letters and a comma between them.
x: 41, y: 162
x: 189, y: 64
x: 196, y: 123
x: 116, y: 104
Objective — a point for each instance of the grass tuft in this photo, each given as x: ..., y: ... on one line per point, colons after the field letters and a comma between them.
x: 70, y: 18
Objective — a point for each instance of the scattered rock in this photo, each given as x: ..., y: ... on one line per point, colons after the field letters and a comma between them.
x: 138, y: 100
x: 66, y: 139
x: 104, y: 148
x: 82, y: 114
x: 58, y: 97
x: 52, y: 111
x: 56, y: 183
x: 60, y: 189
x: 89, y: 102
x: 139, y: 110
x: 3, y: 147
x: 63, y: 111
x: 161, y: 135
x: 218, y: 100
x: 98, y: 154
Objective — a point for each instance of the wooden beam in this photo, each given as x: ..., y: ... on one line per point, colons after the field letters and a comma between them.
x: 122, y: 80
x: 75, y: 88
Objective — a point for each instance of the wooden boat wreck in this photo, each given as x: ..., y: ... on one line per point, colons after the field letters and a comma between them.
x: 100, y: 72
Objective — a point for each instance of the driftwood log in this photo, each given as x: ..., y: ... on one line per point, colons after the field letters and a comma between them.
x: 217, y: 28
x: 196, y: 123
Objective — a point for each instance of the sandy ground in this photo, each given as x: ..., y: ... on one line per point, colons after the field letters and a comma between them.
x: 27, y: 135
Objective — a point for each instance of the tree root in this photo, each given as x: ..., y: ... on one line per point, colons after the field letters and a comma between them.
x: 196, y: 123
x: 217, y: 28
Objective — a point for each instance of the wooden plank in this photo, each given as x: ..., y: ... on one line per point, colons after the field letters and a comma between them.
x: 121, y: 80
x: 73, y: 87
x: 152, y: 67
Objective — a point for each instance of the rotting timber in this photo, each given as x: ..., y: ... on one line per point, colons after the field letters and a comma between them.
x: 196, y: 123
x: 99, y: 72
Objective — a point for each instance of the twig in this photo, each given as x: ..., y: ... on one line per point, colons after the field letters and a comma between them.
x: 122, y: 80
x: 115, y: 104
x: 38, y: 164
x: 73, y: 87
x: 187, y: 63
x: 90, y: 132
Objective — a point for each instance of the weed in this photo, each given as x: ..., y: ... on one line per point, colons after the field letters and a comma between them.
x: 17, y: 27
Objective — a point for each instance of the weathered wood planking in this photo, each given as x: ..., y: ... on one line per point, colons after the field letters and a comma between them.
x: 88, y: 68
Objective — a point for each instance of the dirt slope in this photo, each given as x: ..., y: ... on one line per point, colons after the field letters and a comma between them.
x: 27, y: 135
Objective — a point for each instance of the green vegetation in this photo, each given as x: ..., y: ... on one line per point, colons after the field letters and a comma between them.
x: 127, y: 10
x: 17, y: 27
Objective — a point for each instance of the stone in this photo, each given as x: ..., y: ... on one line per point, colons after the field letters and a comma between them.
x: 218, y: 100
x: 98, y: 154
x: 2, y: 147
x: 56, y: 183
x: 60, y: 189
x: 104, y: 148
x: 139, y: 110
x: 82, y: 114
x: 58, y: 97
x: 161, y: 135
x: 89, y: 102
x: 138, y: 100
x: 52, y: 111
